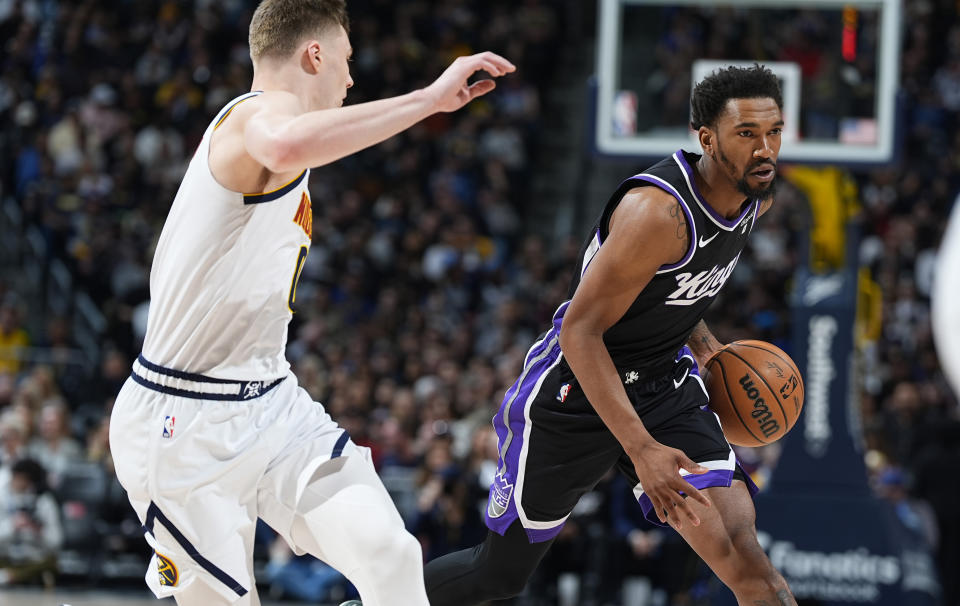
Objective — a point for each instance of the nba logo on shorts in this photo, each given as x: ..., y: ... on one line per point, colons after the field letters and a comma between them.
x: 168, y: 422
x: 564, y: 392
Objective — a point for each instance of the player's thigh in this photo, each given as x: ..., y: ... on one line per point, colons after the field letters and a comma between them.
x: 318, y: 461
x: 345, y: 517
x: 568, y: 450
x: 698, y: 434
x: 726, y: 538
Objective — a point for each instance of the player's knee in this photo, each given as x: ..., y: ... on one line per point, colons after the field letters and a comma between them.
x: 402, y: 547
x: 750, y: 567
x: 508, y: 584
x: 383, y: 540
x: 504, y: 580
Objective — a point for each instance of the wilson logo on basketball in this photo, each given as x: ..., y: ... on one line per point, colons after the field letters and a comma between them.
x: 761, y: 412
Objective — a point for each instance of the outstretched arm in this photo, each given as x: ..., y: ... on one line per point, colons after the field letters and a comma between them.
x: 284, y: 139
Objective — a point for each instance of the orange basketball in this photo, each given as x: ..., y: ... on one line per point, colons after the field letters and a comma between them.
x: 756, y: 390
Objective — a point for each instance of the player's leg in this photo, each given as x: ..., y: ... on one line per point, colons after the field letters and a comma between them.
x: 553, y: 448
x: 201, y: 594
x: 346, y: 518
x: 322, y: 494
x: 496, y: 569
x: 726, y: 539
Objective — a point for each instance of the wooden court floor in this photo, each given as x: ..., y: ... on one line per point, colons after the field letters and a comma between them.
x: 58, y: 597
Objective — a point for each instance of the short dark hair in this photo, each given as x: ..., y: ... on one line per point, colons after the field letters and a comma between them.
x: 33, y: 471
x: 279, y: 26
x: 712, y: 93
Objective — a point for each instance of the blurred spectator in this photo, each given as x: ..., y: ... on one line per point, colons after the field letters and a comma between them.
x: 303, y: 577
x: 447, y: 519
x: 13, y: 447
x: 647, y: 564
x: 54, y: 448
x: 30, y: 531
x: 916, y: 515
x: 13, y: 338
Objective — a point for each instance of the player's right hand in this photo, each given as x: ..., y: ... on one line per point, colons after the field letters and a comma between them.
x: 451, y: 91
x: 658, y: 469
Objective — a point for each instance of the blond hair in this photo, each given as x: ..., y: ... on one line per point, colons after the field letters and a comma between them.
x: 279, y: 26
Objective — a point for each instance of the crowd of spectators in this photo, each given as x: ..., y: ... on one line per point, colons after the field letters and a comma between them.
x: 424, y: 287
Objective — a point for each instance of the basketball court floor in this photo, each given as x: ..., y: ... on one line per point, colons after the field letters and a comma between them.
x: 67, y: 597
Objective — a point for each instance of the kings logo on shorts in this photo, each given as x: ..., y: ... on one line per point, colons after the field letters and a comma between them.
x: 167, y: 570
x: 500, y: 493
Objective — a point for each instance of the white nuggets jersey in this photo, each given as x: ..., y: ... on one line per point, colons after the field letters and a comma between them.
x: 225, y: 273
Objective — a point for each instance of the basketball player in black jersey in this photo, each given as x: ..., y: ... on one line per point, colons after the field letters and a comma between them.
x: 615, y: 380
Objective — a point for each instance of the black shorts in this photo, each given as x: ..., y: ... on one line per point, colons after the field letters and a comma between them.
x: 559, y: 448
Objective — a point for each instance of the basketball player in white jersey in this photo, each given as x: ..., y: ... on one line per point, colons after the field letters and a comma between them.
x: 211, y: 431
x: 945, y: 302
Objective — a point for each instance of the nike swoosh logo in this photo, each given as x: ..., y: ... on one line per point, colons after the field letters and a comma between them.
x: 708, y: 240
x: 686, y: 373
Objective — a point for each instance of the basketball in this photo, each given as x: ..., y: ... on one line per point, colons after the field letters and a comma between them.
x: 756, y: 390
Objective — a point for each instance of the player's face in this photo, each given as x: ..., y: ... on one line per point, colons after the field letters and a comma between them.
x: 335, y: 75
x: 748, y: 144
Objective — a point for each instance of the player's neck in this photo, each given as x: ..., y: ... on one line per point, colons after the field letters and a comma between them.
x: 717, y: 189
x: 277, y: 75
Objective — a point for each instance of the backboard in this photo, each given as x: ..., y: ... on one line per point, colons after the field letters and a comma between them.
x: 837, y: 60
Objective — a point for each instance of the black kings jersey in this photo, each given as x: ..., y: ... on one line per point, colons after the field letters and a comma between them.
x: 658, y: 323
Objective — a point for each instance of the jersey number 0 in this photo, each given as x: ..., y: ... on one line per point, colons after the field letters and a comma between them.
x: 301, y: 258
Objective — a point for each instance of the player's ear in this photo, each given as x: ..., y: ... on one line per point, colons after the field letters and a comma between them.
x: 312, y: 57
x: 706, y: 136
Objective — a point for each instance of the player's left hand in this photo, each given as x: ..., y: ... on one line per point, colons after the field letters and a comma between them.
x: 658, y: 468
x: 451, y: 90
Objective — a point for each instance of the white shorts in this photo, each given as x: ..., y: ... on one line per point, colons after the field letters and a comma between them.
x: 202, y: 459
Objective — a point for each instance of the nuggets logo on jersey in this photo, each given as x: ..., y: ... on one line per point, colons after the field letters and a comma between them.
x: 304, y: 216
x: 169, y: 577
x: 168, y: 423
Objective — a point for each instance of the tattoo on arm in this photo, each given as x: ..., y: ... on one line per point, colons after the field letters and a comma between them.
x: 677, y: 213
x: 783, y: 599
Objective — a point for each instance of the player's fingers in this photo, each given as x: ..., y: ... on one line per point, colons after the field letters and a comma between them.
x: 683, y: 509
x: 504, y: 65
x: 481, y: 87
x: 691, y: 492
x: 658, y: 507
x: 671, y: 511
x: 491, y: 68
x: 688, y: 464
